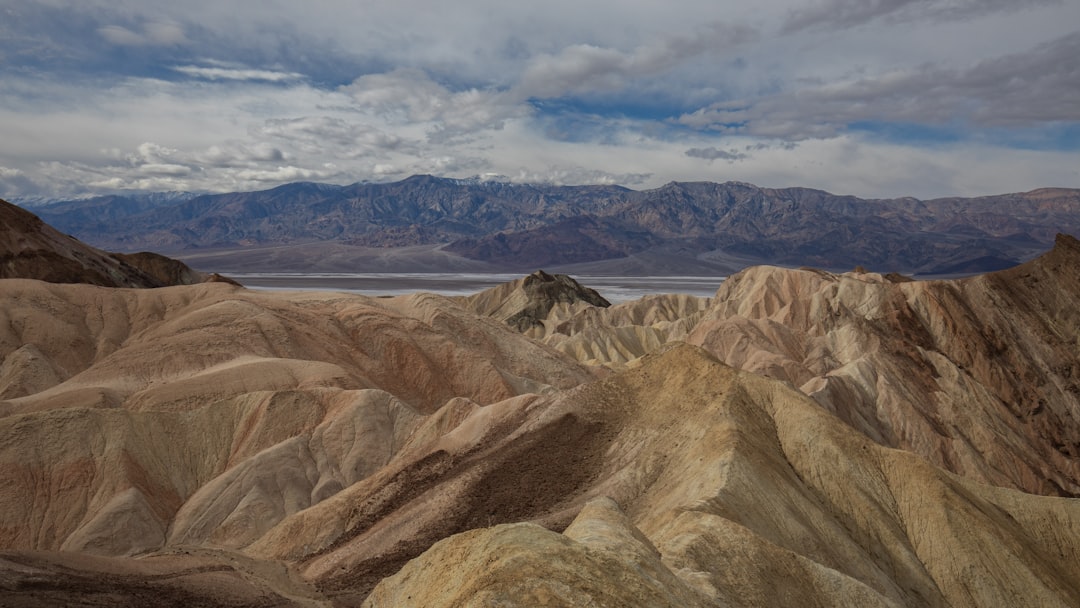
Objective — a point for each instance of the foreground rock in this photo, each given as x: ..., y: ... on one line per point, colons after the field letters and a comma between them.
x: 680, y: 482
x: 736, y: 491
x: 980, y: 375
x: 134, y: 419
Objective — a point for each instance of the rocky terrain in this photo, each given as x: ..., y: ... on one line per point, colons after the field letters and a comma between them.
x: 30, y: 248
x: 804, y: 438
x: 705, y: 227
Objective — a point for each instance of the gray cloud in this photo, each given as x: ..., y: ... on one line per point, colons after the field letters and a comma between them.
x: 154, y: 33
x: 713, y: 153
x: 583, y: 68
x: 839, y: 14
x: 236, y: 154
x: 1030, y: 88
x: 347, y: 138
x: 236, y: 95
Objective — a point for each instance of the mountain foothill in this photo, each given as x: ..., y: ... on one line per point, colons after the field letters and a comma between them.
x: 807, y: 436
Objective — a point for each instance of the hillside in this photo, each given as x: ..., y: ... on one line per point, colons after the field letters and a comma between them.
x: 31, y: 249
x: 711, y: 227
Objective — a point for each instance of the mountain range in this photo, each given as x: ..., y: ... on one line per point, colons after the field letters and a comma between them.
x: 705, y: 228
x: 802, y: 438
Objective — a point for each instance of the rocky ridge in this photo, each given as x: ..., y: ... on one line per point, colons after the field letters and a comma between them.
x: 31, y: 249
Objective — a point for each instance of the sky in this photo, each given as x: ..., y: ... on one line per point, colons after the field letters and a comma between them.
x: 875, y: 98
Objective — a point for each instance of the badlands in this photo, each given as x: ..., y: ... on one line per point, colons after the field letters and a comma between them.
x: 803, y: 438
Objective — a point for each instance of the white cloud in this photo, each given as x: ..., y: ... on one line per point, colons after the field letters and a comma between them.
x: 165, y: 169
x: 284, y: 174
x: 222, y: 73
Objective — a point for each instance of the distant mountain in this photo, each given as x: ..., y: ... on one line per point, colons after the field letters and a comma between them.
x: 525, y: 226
x: 31, y: 249
x: 149, y: 199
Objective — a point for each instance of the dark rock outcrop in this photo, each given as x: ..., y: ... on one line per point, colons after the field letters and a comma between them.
x: 31, y: 249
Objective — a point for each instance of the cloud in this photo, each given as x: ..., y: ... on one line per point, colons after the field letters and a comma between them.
x: 842, y: 14
x: 564, y: 175
x: 351, y: 138
x: 409, y: 95
x: 165, y: 169
x: 1034, y: 87
x: 205, y: 95
x: 285, y: 174
x: 585, y: 68
x: 237, y: 154
x: 223, y: 73
x: 154, y: 33
x: 713, y: 153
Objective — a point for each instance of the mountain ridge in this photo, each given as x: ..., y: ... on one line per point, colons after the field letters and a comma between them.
x: 519, y: 227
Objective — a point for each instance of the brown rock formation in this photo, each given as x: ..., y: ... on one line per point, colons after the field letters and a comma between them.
x: 31, y: 249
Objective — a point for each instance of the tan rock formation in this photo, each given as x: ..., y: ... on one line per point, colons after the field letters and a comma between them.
x: 749, y: 493
x: 205, y: 414
x: 979, y: 375
x: 615, y: 336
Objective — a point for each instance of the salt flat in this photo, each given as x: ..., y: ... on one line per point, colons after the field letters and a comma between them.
x: 615, y: 288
